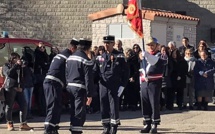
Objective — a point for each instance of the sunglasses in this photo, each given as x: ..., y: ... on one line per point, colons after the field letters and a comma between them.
x: 136, y: 48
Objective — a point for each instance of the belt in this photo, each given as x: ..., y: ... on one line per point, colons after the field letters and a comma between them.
x: 55, y: 79
x: 77, y: 85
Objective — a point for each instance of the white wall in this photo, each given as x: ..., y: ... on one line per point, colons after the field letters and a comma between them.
x: 158, y: 30
x: 178, y: 34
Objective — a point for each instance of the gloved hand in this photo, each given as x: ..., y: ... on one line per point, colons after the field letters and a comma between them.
x: 120, y: 90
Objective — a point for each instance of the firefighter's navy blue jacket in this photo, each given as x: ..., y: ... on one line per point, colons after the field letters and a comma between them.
x: 112, y: 69
x: 82, y: 77
x: 57, y: 68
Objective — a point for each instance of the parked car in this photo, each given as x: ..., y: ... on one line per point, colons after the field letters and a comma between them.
x: 9, y: 45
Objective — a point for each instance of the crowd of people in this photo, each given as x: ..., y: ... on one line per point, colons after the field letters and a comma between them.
x: 109, y: 79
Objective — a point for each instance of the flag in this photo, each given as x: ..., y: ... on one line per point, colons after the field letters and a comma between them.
x: 134, y: 17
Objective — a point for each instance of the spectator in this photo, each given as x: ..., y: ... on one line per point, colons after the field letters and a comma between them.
x: 95, y: 48
x: 178, y: 76
x: 54, y: 52
x: 118, y: 46
x: 28, y: 86
x: 137, y: 50
x: 204, y: 80
x: 171, y: 47
x: 100, y: 50
x: 26, y: 56
x: 189, y: 90
x: 95, y: 101
x: 185, y: 43
x: 13, y: 92
x: 41, y: 66
x: 166, y: 90
x: 131, y: 93
x: 202, y: 46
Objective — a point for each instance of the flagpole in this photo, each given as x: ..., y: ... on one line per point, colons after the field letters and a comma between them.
x: 140, y: 8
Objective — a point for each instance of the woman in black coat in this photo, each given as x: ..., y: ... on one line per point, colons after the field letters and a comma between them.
x: 204, y: 79
x: 178, y: 76
x: 166, y: 90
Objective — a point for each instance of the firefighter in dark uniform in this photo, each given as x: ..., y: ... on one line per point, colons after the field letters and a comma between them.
x: 151, y: 81
x: 113, y: 71
x: 54, y: 83
x: 80, y: 84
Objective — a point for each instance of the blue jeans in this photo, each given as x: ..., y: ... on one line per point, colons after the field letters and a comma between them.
x: 28, y: 97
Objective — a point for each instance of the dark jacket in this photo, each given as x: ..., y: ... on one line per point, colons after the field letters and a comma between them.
x: 202, y: 83
x: 168, y: 68
x: 11, y: 73
x: 27, y: 77
x: 58, y: 66
x: 180, y: 69
x: 112, y: 69
x: 41, y: 64
x: 79, y: 72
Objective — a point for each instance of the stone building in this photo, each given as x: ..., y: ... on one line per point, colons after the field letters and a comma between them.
x: 57, y: 21
x: 165, y: 26
x: 203, y: 9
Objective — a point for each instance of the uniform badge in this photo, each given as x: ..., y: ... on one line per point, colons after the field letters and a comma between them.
x: 117, y: 63
x: 100, y: 65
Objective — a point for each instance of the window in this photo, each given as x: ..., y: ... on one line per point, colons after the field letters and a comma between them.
x: 121, y: 31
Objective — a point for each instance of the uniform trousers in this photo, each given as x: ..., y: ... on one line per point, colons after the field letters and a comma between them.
x: 109, y: 103
x: 53, y: 95
x: 150, y: 99
x: 78, y: 100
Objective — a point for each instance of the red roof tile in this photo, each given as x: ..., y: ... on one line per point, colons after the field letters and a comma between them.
x: 149, y: 14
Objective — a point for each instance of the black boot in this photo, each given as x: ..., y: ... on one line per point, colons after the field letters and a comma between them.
x: 113, y: 129
x: 146, y: 128
x: 106, y: 129
x: 205, y: 106
x: 199, y: 106
x: 51, y: 132
x: 76, y: 132
x: 153, y: 129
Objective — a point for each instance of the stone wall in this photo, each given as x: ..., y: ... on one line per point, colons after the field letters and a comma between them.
x: 55, y: 21
x: 203, y: 9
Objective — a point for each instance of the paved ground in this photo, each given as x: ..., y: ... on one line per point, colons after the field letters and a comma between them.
x: 176, y: 122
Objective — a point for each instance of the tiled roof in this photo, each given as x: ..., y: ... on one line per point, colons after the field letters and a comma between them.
x: 149, y: 14
x: 106, y: 13
x: 152, y: 13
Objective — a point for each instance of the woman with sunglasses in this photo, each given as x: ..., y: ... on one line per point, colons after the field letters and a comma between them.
x: 41, y: 66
